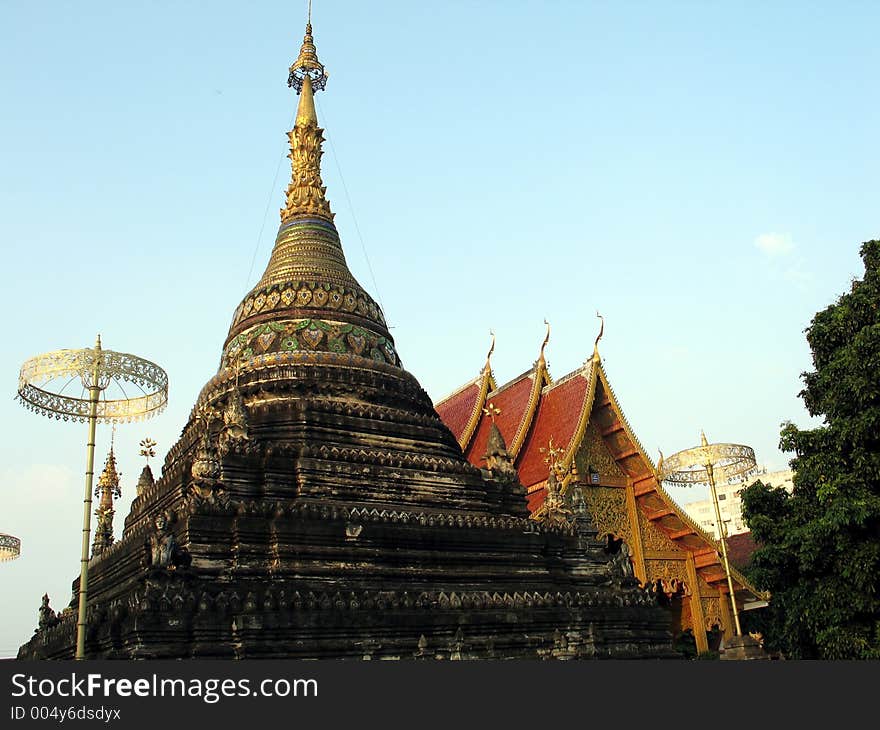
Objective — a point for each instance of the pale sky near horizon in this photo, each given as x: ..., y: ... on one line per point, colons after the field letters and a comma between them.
x: 701, y: 174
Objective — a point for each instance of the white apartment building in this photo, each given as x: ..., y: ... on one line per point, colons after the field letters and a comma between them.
x: 730, y: 503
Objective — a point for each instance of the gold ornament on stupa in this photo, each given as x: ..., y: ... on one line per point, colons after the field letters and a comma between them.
x: 107, y: 489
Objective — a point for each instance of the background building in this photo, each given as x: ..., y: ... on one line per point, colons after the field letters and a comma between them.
x: 730, y: 502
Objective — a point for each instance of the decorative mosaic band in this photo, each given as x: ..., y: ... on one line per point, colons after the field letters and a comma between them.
x: 308, y: 295
x: 310, y: 335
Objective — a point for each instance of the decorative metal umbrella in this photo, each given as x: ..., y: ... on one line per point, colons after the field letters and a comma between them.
x: 10, y: 547
x: 41, y: 388
x: 703, y: 465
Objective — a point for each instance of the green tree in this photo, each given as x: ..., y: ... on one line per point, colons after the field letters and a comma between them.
x: 819, y: 548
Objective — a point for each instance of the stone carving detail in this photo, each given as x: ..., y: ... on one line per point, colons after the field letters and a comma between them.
x: 497, y: 458
x: 235, y: 422
x: 499, y: 466
x: 164, y: 550
x: 206, y: 469
x: 557, y: 512
x: 48, y: 617
x: 621, y: 562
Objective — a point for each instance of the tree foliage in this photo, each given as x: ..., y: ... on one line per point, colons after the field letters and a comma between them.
x: 819, y: 548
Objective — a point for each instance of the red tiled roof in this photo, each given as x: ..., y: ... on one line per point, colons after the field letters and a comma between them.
x: 740, y: 548
x: 536, y: 499
x: 456, y: 410
x: 559, y: 412
x: 512, y: 400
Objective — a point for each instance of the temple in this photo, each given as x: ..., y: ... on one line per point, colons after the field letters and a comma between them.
x: 600, y: 453
x: 316, y: 505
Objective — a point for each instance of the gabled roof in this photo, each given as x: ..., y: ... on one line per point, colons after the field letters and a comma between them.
x: 562, y: 414
x: 461, y: 410
x: 514, y: 406
x: 533, y: 410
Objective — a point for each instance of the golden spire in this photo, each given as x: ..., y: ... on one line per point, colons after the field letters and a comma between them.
x: 108, y: 483
x: 107, y: 488
x: 306, y: 192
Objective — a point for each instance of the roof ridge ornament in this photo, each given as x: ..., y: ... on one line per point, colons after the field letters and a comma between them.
x: 541, y: 358
x: 491, y: 347
x: 596, y: 357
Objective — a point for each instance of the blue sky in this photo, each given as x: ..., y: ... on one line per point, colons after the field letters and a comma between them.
x: 702, y: 174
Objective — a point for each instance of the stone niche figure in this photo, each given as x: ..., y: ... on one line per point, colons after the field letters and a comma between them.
x: 235, y: 422
x: 165, y: 552
x: 497, y: 458
x: 206, y: 471
x: 556, y: 512
x: 621, y: 562
x: 48, y: 617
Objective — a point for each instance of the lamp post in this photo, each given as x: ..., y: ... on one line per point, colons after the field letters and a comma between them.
x: 97, y: 369
x: 701, y: 465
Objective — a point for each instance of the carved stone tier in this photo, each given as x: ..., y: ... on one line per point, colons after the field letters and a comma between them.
x: 347, y: 523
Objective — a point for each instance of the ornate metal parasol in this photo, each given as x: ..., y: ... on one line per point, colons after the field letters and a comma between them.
x: 702, y: 465
x: 41, y: 388
x: 10, y: 547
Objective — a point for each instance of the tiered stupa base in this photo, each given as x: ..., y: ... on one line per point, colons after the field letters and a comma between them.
x: 380, y: 542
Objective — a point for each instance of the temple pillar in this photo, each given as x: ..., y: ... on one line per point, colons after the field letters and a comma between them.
x: 698, y: 618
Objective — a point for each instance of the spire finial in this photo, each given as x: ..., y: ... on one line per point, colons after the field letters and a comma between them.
x: 307, y: 64
x: 703, y: 441
x: 306, y: 194
x: 107, y: 489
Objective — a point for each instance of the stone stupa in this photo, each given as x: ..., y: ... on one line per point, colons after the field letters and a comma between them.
x: 316, y: 506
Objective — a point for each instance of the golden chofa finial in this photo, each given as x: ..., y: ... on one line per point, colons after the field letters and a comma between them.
x: 599, y: 336
x: 491, y: 350
x: 546, y: 340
